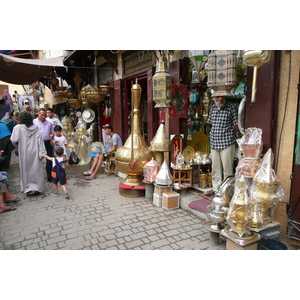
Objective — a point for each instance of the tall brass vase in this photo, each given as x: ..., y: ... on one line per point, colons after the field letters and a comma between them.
x: 134, y: 154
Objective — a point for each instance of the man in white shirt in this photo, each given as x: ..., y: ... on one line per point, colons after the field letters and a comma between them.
x: 115, y: 143
x: 50, y: 117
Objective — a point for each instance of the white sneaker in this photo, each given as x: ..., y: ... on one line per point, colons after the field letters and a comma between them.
x: 67, y: 195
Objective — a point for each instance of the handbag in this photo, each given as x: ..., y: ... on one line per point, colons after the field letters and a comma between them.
x: 2, y: 156
x: 73, y: 159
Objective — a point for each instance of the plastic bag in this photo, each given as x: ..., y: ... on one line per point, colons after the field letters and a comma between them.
x: 266, y: 192
x: 73, y: 159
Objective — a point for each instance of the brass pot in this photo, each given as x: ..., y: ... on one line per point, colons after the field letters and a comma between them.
x: 134, y: 154
x: 74, y: 102
x: 104, y: 89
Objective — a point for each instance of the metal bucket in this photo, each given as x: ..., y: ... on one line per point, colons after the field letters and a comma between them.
x: 270, y: 244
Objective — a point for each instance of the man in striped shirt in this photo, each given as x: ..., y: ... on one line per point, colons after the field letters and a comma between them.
x: 223, y: 123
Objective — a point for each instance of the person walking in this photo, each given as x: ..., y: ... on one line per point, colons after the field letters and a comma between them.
x: 8, y: 121
x: 47, y: 132
x: 52, y: 118
x: 58, y: 171
x: 115, y: 142
x: 27, y: 139
x: 7, y: 96
x: 60, y: 140
x: 4, y: 107
x: 223, y: 122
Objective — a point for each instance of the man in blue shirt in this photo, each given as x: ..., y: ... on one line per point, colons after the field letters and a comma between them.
x: 47, y: 133
x: 223, y: 123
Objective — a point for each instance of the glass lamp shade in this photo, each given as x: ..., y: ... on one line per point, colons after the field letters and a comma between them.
x: 198, y: 58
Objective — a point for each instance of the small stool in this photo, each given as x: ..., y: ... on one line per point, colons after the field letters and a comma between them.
x: 110, y: 166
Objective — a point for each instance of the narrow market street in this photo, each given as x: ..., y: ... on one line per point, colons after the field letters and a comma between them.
x: 97, y: 217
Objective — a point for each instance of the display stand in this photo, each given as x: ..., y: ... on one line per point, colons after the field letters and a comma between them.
x: 214, y: 233
x: 235, y: 242
x: 271, y: 230
x: 132, y: 191
x: 158, y: 193
x: 182, y: 178
x: 149, y: 190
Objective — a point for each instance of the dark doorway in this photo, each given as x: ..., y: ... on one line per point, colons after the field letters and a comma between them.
x: 293, y: 228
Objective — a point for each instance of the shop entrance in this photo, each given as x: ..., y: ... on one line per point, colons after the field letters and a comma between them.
x: 293, y: 228
x: 146, y: 105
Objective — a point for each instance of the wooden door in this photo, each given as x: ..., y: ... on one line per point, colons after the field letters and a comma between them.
x: 293, y: 228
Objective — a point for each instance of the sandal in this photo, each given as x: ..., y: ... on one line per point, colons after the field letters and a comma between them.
x: 17, y: 199
x: 86, y: 173
x: 90, y: 178
x: 9, y: 209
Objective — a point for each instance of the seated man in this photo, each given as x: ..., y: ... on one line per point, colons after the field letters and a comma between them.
x: 115, y: 142
x: 7, y: 196
x: 3, y: 207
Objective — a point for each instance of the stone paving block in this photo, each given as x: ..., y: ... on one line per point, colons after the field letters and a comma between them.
x: 137, y: 224
x: 110, y: 237
x: 110, y: 243
x: 107, y: 232
x: 56, y: 240
x: 127, y: 238
x: 159, y: 243
x: 132, y: 244
x: 169, y: 233
x: 34, y: 246
x: 135, y: 230
x: 175, y: 246
x: 52, y: 230
x: 77, y: 246
x: 147, y: 247
x: 204, y: 245
x: 54, y: 235
x: 121, y: 247
x: 51, y: 247
x: 74, y: 241
x: 185, y: 243
x: 124, y: 233
x: 138, y: 235
x: 183, y: 235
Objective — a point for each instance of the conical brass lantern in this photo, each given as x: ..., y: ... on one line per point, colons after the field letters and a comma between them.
x: 134, y: 154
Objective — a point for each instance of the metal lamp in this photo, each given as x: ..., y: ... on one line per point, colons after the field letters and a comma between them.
x: 162, y: 84
x: 198, y: 59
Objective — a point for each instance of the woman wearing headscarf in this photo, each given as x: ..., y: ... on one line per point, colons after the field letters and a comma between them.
x: 27, y: 138
x: 8, y: 121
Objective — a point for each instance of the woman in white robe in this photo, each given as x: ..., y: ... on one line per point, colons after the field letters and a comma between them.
x: 27, y: 139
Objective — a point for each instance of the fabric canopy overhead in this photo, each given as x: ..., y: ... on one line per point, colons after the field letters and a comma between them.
x: 26, y: 71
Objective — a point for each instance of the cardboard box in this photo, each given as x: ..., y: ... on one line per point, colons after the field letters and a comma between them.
x: 230, y: 245
x: 157, y: 200
x: 159, y: 190
x: 170, y: 200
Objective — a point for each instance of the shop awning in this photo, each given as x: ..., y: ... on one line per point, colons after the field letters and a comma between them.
x: 26, y: 71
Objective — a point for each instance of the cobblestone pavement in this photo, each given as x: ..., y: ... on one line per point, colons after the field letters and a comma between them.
x: 97, y: 217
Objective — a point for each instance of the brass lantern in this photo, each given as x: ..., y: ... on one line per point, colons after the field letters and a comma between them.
x: 162, y: 84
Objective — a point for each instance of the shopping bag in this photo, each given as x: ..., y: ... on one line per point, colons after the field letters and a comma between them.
x: 73, y: 159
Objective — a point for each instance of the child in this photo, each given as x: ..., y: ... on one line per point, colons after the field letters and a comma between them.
x: 60, y: 140
x: 58, y: 171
